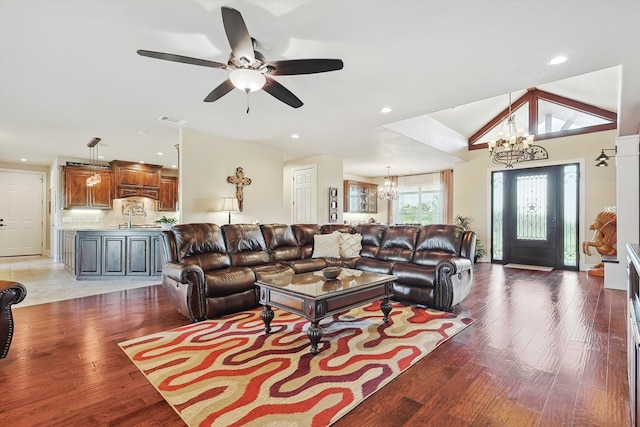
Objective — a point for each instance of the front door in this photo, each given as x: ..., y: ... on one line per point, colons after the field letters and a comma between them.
x: 21, y: 213
x: 532, y: 215
x: 538, y: 225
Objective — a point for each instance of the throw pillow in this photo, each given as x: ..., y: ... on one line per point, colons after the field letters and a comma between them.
x: 350, y: 245
x: 326, y: 245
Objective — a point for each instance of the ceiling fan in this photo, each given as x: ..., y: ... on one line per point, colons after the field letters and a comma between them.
x: 250, y: 71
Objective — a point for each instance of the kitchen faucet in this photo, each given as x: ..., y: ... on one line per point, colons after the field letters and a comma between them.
x: 139, y: 210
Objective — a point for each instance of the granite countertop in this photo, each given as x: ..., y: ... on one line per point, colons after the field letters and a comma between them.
x: 111, y: 228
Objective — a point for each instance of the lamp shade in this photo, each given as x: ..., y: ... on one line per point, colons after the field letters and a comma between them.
x: 230, y: 204
x: 247, y: 80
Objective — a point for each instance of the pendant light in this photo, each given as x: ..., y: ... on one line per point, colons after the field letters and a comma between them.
x: 95, y: 177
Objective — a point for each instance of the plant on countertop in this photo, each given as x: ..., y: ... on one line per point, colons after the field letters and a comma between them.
x: 166, y: 220
x: 465, y: 222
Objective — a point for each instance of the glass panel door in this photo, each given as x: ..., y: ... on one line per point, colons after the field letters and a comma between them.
x: 535, y: 216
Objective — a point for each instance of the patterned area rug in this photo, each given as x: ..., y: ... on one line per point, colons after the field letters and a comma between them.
x: 228, y: 372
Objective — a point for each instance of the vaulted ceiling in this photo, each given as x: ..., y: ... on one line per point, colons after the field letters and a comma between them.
x: 69, y: 72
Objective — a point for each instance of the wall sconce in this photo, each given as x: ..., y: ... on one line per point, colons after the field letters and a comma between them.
x: 602, y: 158
x: 230, y: 204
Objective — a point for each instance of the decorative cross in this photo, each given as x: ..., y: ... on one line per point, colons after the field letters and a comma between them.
x: 239, y: 180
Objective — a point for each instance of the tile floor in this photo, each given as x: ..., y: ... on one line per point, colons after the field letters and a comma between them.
x: 48, y: 281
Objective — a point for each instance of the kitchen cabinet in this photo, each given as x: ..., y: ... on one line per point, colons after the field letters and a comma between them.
x: 77, y: 194
x: 136, y: 179
x: 113, y: 259
x: 156, y: 255
x: 69, y: 251
x: 168, y: 200
x: 88, y: 250
x: 112, y: 254
x: 139, y: 256
x: 360, y: 197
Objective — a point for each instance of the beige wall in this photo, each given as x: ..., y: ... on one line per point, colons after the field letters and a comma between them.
x: 472, y: 193
x: 206, y: 162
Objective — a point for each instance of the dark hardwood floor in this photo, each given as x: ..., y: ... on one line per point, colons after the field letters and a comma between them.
x: 547, y: 349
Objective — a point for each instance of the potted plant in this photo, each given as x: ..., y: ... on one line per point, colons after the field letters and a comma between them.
x: 166, y: 222
x: 465, y: 222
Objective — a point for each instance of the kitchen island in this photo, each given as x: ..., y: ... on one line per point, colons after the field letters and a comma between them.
x: 111, y: 254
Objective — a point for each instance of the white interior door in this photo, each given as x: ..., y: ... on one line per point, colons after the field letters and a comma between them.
x: 304, y: 195
x: 21, y: 213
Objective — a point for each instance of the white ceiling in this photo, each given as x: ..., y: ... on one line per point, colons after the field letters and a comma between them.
x: 69, y: 72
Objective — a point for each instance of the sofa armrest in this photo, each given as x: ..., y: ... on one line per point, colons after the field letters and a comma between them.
x: 452, y: 282
x: 453, y: 265
x: 183, y: 273
x: 185, y: 286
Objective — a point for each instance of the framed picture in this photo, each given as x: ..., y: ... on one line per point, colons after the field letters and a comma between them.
x: 333, y: 204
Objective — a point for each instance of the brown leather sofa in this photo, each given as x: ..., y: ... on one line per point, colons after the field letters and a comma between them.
x: 10, y: 293
x: 210, y: 270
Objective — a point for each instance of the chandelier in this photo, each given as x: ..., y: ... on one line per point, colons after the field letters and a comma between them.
x: 95, y: 177
x: 512, y: 146
x: 389, y: 190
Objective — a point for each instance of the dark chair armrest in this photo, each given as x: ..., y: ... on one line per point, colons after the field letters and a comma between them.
x: 10, y: 293
x: 17, y: 290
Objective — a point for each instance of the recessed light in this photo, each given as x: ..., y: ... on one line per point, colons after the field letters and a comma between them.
x: 143, y: 133
x: 141, y: 162
x: 173, y: 120
x: 174, y: 166
x: 23, y: 160
x: 160, y: 154
x: 101, y: 157
x: 557, y: 60
x: 295, y: 136
x: 385, y: 110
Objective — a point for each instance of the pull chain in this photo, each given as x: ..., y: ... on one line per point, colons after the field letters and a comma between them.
x: 247, y: 91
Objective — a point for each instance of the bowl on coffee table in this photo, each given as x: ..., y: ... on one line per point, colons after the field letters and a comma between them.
x: 331, y: 273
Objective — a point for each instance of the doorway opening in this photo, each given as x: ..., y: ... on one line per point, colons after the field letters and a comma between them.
x: 534, y: 216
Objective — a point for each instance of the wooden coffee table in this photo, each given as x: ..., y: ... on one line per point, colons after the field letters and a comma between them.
x: 311, y: 296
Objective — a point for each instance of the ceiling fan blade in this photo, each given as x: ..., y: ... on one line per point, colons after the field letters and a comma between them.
x: 280, y: 92
x: 238, y: 35
x: 224, y: 88
x: 305, y: 66
x: 180, y: 58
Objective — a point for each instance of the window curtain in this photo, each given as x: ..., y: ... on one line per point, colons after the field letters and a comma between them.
x: 446, y: 181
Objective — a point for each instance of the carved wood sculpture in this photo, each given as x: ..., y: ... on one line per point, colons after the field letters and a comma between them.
x: 604, y: 239
x: 240, y: 181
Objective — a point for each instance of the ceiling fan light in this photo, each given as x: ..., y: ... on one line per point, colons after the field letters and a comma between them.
x: 247, y: 80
